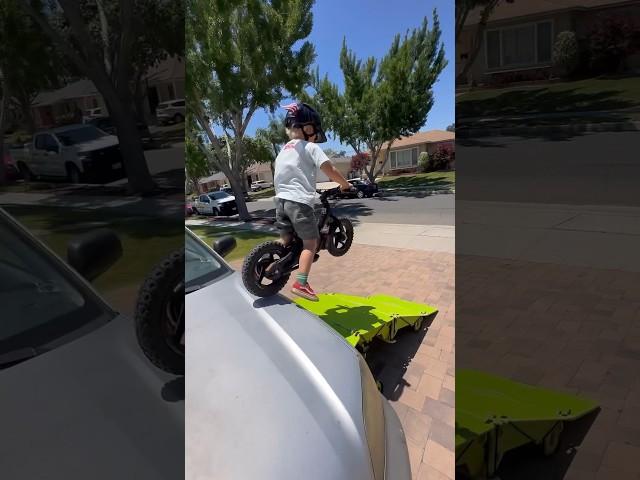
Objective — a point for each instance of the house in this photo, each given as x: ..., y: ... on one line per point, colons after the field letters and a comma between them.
x: 518, y: 40
x: 212, y: 182
x: 259, y: 171
x: 65, y: 105
x: 404, y: 153
x: 165, y: 81
x: 162, y: 82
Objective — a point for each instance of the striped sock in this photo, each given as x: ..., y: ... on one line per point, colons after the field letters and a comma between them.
x: 302, y: 278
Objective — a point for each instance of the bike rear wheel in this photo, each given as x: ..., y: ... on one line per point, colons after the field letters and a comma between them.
x: 255, y: 266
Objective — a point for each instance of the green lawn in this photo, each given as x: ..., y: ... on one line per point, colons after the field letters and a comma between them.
x: 438, y: 179
x: 246, y: 239
x: 145, y: 240
x: 592, y: 94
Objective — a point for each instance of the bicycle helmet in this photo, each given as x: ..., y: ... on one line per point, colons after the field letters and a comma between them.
x: 300, y: 115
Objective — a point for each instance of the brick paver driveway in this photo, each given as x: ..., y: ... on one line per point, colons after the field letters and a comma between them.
x: 418, y: 370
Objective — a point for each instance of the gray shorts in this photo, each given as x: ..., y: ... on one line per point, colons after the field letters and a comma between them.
x: 302, y: 218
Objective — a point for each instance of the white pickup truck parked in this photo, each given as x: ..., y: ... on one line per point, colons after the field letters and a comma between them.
x: 75, y: 152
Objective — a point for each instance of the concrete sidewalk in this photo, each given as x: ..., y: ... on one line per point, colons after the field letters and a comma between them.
x: 604, y: 237
x: 427, y: 238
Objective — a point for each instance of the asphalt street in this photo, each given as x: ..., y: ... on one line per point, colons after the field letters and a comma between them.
x: 431, y: 210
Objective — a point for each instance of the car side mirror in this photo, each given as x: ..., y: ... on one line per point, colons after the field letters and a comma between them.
x: 224, y: 245
x: 93, y: 253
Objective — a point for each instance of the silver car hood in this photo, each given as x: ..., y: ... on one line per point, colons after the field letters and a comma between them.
x: 103, y: 142
x: 272, y: 392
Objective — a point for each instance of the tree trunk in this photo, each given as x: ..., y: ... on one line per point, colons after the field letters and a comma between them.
x: 236, y: 183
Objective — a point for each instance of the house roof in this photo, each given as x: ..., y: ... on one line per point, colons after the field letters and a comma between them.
x: 169, y: 69
x: 220, y: 177
x: 431, y: 136
x: 508, y: 11
x: 78, y: 89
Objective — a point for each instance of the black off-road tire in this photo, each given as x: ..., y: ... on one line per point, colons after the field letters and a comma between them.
x: 73, y: 174
x: 250, y: 265
x: 165, y: 279
x: 334, y: 250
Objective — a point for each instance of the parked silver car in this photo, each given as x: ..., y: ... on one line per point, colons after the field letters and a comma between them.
x: 171, y: 111
x: 77, y: 392
x: 272, y: 391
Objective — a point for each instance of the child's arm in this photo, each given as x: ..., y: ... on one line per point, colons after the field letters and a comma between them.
x: 334, y: 175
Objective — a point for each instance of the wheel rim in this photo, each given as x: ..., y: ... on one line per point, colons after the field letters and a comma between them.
x: 260, y: 269
x: 339, y: 237
x: 173, y: 325
x: 360, y: 194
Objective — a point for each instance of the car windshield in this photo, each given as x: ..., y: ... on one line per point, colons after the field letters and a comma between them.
x: 79, y: 135
x: 43, y: 305
x: 219, y: 195
x: 201, y: 266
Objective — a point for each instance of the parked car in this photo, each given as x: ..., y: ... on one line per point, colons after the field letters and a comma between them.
x: 216, y: 203
x: 77, y: 391
x: 106, y: 125
x: 172, y: 111
x: 230, y: 191
x: 74, y: 152
x: 362, y: 189
x: 277, y: 372
x: 260, y: 185
x: 93, y: 113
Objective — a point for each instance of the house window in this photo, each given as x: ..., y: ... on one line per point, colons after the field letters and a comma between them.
x: 404, y: 158
x: 523, y: 45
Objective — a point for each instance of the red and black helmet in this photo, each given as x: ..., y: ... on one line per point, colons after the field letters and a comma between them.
x: 300, y: 115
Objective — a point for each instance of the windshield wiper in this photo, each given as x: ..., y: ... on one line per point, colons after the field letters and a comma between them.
x: 16, y: 356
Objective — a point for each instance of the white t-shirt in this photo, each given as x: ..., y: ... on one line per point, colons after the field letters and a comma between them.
x: 296, y: 169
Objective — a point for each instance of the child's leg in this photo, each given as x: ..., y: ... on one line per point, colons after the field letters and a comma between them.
x: 306, y: 259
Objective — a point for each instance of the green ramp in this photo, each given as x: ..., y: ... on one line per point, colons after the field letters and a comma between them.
x: 361, y: 319
x: 495, y: 415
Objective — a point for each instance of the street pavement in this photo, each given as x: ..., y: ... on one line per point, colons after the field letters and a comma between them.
x: 430, y: 210
x: 565, y: 168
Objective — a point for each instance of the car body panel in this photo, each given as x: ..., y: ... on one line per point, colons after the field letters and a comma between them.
x: 281, y: 388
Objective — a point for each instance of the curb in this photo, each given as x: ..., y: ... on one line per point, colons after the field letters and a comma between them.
x: 630, y: 126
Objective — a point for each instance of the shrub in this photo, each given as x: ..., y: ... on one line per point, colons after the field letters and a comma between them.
x: 566, y: 54
x: 610, y: 41
x: 423, y: 162
x: 441, y: 159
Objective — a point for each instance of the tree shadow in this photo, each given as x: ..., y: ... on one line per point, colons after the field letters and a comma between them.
x: 540, y: 100
x: 389, y: 361
x: 416, y: 181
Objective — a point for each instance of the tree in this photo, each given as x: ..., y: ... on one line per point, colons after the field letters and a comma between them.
x: 103, y: 39
x: 566, y: 54
x: 331, y: 153
x: 359, y: 162
x: 451, y: 128
x: 196, y: 164
x: 463, y: 8
x: 383, y: 101
x: 276, y: 136
x: 241, y: 58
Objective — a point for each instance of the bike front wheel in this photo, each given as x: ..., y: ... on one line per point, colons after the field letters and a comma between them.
x: 340, y: 237
x: 255, y: 267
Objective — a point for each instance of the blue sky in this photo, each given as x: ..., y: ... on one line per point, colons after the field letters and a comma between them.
x: 369, y: 27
